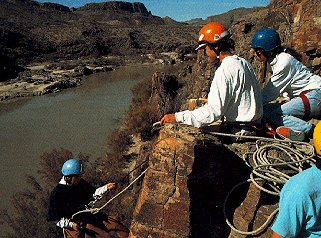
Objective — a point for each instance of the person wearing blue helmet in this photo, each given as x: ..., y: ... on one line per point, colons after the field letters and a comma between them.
x: 72, y: 195
x: 290, y: 78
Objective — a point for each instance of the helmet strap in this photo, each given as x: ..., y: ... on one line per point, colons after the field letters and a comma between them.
x: 217, y: 51
x: 215, y: 48
x: 270, y: 55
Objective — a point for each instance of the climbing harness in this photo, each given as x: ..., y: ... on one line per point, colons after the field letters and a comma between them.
x: 306, y: 104
x: 272, y: 163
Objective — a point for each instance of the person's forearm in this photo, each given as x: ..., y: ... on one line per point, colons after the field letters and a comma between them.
x: 100, y: 191
x: 198, y: 117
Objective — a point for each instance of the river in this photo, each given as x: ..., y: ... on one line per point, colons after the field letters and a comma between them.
x: 78, y: 119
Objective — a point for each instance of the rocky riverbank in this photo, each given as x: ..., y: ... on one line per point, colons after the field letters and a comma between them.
x: 52, y: 77
x: 40, y: 79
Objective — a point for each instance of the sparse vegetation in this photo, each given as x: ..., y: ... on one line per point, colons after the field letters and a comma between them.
x: 53, y: 33
x: 30, y: 205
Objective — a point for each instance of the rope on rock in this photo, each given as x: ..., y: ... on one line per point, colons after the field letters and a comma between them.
x: 276, y: 162
x: 273, y: 162
x: 254, y: 232
x: 96, y: 210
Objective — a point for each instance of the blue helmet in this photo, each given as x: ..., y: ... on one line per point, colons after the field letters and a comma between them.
x: 71, y: 167
x: 266, y: 39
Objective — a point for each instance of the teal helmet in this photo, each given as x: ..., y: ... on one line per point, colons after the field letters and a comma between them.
x: 266, y: 39
x: 72, y: 167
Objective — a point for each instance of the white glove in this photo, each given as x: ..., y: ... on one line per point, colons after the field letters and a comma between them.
x: 100, y: 191
x: 65, y: 223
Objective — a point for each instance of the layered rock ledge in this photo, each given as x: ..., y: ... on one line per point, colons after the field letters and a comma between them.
x: 182, y: 195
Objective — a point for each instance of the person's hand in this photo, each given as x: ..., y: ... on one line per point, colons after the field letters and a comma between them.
x: 111, y: 186
x: 65, y: 223
x: 75, y: 226
x: 101, y: 190
x: 168, y: 118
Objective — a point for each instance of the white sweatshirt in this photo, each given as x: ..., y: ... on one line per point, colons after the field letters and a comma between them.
x: 289, y: 75
x: 234, y: 95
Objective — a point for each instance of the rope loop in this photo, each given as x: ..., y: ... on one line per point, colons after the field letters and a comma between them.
x: 273, y: 163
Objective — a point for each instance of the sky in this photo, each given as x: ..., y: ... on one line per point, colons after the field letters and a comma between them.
x: 179, y: 10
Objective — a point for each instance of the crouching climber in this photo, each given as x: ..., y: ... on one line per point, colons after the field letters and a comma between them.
x: 70, y: 196
x: 288, y: 76
x: 234, y: 96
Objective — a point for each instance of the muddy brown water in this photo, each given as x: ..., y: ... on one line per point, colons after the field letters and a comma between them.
x: 78, y: 119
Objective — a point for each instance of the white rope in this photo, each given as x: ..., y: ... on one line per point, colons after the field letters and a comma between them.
x: 96, y: 210
x: 276, y: 169
x: 254, y: 232
x: 270, y: 169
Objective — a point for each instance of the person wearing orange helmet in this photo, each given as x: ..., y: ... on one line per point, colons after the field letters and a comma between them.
x: 234, y: 95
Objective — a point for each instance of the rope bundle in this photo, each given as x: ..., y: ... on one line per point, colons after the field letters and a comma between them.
x: 276, y: 161
x: 272, y: 163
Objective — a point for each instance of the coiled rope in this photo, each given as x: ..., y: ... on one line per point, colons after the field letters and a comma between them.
x: 272, y: 164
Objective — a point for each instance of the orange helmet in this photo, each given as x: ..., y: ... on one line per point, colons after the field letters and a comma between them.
x: 212, y: 32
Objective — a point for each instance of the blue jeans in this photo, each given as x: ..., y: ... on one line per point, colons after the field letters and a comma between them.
x: 291, y: 114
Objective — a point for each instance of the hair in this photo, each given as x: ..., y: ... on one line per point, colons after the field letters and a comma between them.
x: 272, y: 53
x: 225, y: 45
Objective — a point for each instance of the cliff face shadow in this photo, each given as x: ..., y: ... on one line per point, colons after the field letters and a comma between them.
x: 216, y: 170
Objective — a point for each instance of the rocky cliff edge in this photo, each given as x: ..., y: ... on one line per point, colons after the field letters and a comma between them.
x: 189, y: 176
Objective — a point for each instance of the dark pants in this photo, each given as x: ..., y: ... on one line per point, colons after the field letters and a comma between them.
x: 97, y: 226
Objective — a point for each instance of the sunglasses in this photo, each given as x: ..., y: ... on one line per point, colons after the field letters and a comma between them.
x: 258, y: 52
